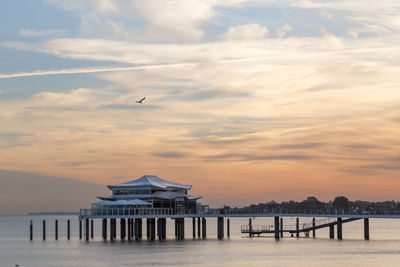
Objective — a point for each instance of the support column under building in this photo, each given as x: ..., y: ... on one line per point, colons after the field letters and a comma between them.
x: 152, y: 228
x: 281, y: 227
x: 339, y: 228
x: 111, y: 230
x: 122, y: 228
x: 276, y: 227
x: 104, y: 228
x: 297, y: 227
x: 87, y: 229
x: 129, y: 229
x: 220, y: 227
x: 366, y: 229
x: 138, y: 229
x: 148, y: 228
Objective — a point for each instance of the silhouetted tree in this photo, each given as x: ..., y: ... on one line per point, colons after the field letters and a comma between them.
x: 341, y: 202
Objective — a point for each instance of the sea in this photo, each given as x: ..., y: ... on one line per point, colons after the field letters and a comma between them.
x: 383, y: 248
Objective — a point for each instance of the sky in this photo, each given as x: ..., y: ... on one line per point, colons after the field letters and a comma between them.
x: 246, y: 100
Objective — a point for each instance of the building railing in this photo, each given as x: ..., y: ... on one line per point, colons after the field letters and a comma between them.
x: 132, y: 211
x: 321, y: 212
x: 169, y: 211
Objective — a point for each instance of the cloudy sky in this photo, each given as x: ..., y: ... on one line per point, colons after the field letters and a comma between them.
x: 248, y: 101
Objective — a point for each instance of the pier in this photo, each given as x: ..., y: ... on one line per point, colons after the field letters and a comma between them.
x: 151, y: 200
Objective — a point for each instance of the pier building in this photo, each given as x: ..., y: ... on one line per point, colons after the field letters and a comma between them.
x: 150, y: 191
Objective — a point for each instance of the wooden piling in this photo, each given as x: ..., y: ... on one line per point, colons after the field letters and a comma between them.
x: 152, y: 228
x: 44, y: 229
x: 80, y: 229
x: 198, y: 227
x: 331, y: 231
x: 91, y: 229
x: 129, y: 229
x: 68, y: 229
x: 111, y: 230
x: 87, y: 229
x: 313, y: 225
x: 31, y: 231
x: 276, y: 227
x: 194, y: 227
x: 56, y: 230
x: 339, y: 228
x: 204, y: 227
x: 228, y: 228
x: 138, y: 229
x: 104, y: 228
x: 220, y: 227
x: 297, y: 227
x: 250, y: 228
x: 366, y: 229
x: 281, y: 227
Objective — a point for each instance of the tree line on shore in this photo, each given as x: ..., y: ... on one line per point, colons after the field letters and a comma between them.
x: 340, y: 203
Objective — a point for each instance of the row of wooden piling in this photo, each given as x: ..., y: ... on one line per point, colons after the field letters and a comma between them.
x: 131, y: 228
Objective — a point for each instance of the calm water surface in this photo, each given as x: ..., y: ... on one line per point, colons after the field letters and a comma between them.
x: 239, y: 250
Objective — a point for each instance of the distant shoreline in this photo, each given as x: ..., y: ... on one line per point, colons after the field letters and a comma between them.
x: 51, y: 213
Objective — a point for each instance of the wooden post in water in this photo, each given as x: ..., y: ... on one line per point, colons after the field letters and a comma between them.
x: 228, y: 228
x: 313, y: 225
x: 44, y: 229
x: 87, y: 229
x: 331, y: 231
x: 56, y: 230
x: 250, y: 228
x: 198, y: 227
x: 281, y: 227
x: 339, y: 228
x: 91, y: 229
x: 276, y: 227
x: 220, y: 227
x: 31, y: 231
x: 366, y: 229
x: 204, y: 227
x: 80, y: 229
x: 68, y: 229
x: 194, y: 227
x: 297, y: 227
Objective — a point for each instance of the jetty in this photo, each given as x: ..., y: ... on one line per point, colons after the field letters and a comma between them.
x: 154, y: 200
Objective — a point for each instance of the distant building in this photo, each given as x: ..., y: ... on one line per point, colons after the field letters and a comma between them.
x: 150, y: 191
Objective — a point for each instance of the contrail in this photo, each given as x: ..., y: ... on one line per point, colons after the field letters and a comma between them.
x: 111, y: 68
x: 91, y: 70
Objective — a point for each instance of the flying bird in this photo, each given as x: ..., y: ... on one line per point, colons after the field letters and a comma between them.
x: 141, y: 100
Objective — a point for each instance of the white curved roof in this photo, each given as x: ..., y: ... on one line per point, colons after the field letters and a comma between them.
x: 152, y: 180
